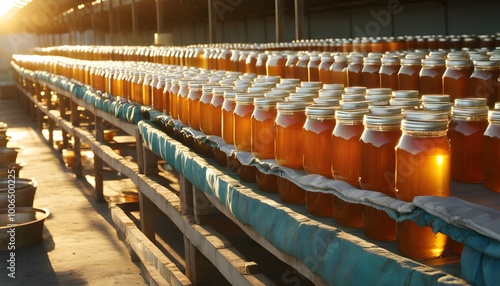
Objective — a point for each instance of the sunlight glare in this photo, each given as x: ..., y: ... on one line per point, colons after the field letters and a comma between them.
x: 10, y: 7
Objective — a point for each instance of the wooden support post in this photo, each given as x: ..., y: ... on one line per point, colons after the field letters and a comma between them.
x: 98, y: 163
x: 147, y: 209
x: 279, y: 14
x: 62, y: 111
x: 299, y: 19
x: 140, y: 151
x: 197, y: 266
x: 51, y: 126
x: 201, y: 205
x: 150, y: 162
x: 77, y: 145
x: 212, y: 22
x: 186, y: 196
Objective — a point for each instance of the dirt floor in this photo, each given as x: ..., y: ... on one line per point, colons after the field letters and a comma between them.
x: 80, y: 245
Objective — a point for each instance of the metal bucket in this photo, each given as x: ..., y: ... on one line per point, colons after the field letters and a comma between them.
x: 24, y: 192
x: 28, y: 229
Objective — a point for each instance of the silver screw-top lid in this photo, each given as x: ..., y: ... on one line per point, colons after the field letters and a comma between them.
x: 247, y: 98
x: 437, y: 106
x: 331, y: 93
x: 352, y: 105
x: 312, y: 84
x: 354, y: 114
x: 292, y: 105
x: 379, y: 90
x: 332, y: 86
x: 428, y: 98
x: 321, y: 111
x: 266, y: 101
x: 385, y: 110
x: 405, y: 94
x: 494, y: 115
x: 327, y: 101
x: 355, y: 90
x: 420, y: 120
x: 470, y: 102
x: 383, y: 120
x: 353, y: 97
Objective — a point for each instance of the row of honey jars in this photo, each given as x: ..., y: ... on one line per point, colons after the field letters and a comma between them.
x: 196, y: 54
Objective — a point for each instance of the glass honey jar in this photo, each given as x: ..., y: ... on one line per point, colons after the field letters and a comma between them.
x: 408, y: 75
x: 275, y: 65
x: 262, y: 132
x: 345, y: 162
x: 318, y: 130
x: 174, y: 99
x: 147, y: 90
x: 289, y: 146
x: 182, y: 96
x: 468, y: 124
x: 354, y: 67
x: 377, y: 167
x: 313, y: 68
x: 324, y: 68
x: 423, y: 168
x: 431, y: 76
x: 193, y: 103
x: 301, y: 68
x: 491, y: 152
x: 291, y: 62
x: 389, y: 72
x: 456, y: 78
x: 338, y: 70
x: 370, y: 72
x: 205, y: 100
x: 484, y: 81
x: 227, y: 110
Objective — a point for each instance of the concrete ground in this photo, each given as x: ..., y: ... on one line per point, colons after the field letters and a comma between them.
x: 79, y: 245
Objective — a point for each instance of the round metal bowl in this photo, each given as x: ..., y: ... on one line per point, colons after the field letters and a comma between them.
x: 6, y: 171
x: 24, y: 192
x: 4, y: 139
x: 8, y: 156
x: 26, y: 229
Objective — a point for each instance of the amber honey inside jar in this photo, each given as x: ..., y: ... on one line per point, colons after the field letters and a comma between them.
x: 345, y: 161
x: 408, y: 75
x: 242, y: 121
x: 324, y: 68
x: 377, y: 167
x: 354, y: 67
x: 182, y: 96
x: 483, y: 81
x: 370, y: 72
x: 313, y: 68
x: 318, y: 130
x: 227, y: 110
x: 389, y: 72
x: 431, y: 76
x: 338, y: 70
x: 275, y: 65
x: 465, y: 133
x: 423, y: 167
x: 289, y: 146
x: 174, y: 99
x: 301, y: 68
x: 262, y: 127
x: 456, y: 78
x: 205, y: 100
x: 491, y: 152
